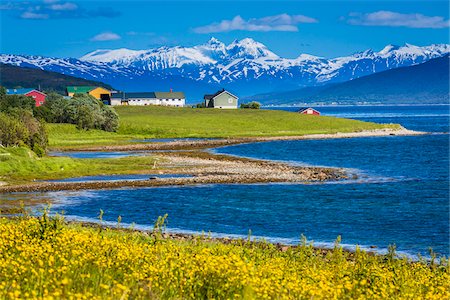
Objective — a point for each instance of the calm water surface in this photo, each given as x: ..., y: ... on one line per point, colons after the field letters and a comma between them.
x: 401, y: 197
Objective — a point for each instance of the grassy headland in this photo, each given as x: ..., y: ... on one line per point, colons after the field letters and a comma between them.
x: 173, y: 122
x: 20, y: 164
x: 46, y: 258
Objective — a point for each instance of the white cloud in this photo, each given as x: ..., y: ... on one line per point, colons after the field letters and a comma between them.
x: 64, y: 7
x: 135, y: 33
x: 283, y: 22
x: 106, y: 36
x: 394, y: 19
x: 34, y: 16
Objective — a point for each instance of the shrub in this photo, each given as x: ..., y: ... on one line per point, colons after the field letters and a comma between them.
x: 83, y: 110
x: 12, y: 131
x: 84, y: 117
x: 251, y: 105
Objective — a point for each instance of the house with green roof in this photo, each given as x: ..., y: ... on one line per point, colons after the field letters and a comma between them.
x: 97, y: 92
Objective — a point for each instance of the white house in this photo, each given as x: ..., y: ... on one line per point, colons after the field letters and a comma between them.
x: 149, y: 98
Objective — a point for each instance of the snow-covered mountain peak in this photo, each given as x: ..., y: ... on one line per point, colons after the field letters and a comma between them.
x: 106, y: 55
x: 214, y: 41
x: 250, y: 49
x: 308, y: 57
x: 389, y: 48
x: 242, y: 65
x: 364, y: 54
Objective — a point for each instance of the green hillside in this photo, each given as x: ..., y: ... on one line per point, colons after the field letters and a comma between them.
x: 21, y: 77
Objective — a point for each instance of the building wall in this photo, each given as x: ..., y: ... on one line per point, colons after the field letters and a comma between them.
x: 173, y: 102
x: 115, y: 101
x: 38, y: 98
x: 225, y: 100
x: 97, y: 92
x: 143, y: 101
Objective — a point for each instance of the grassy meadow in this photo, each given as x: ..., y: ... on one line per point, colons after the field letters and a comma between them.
x: 173, y: 122
x: 20, y: 164
x: 43, y: 258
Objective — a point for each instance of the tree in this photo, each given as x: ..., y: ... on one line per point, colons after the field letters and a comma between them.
x: 83, y: 110
x: 251, y: 105
x: 85, y: 117
x: 111, y: 119
x: 12, y: 131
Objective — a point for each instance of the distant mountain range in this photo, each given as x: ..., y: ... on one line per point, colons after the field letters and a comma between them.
x: 245, y: 67
x: 424, y: 83
x: 21, y: 77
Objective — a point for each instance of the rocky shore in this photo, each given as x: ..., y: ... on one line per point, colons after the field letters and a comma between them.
x: 190, y: 157
x: 204, y: 168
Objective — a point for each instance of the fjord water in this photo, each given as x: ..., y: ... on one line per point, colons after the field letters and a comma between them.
x: 401, y: 196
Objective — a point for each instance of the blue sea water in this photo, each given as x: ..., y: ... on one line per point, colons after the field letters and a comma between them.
x: 401, y: 196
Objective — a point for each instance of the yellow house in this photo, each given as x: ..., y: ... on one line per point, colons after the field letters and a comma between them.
x: 95, y: 91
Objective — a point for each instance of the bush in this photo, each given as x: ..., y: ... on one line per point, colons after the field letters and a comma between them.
x: 24, y: 130
x: 251, y: 105
x: 199, y: 105
x: 83, y: 110
x: 12, y: 131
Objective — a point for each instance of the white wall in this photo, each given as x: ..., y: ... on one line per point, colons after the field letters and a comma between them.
x: 151, y: 101
x: 115, y: 102
x: 173, y: 102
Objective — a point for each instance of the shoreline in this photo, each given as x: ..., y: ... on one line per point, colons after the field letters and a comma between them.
x: 220, y: 142
x: 194, y: 158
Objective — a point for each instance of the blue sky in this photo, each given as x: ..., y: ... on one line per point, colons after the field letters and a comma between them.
x: 326, y: 28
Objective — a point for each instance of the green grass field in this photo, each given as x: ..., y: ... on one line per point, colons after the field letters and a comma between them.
x: 20, y: 165
x: 171, y: 122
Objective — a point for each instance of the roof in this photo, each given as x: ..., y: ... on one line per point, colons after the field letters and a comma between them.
x: 170, y: 95
x: 80, y: 89
x: 126, y: 95
x: 212, y: 96
x: 18, y: 91
x: 306, y: 108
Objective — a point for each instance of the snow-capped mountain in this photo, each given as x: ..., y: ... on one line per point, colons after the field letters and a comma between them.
x: 244, y: 66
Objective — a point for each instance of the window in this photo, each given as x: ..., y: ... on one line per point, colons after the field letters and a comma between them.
x: 230, y: 100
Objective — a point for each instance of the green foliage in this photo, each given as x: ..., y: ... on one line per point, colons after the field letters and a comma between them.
x: 251, y: 105
x: 12, y: 131
x: 199, y: 105
x: 20, y: 164
x: 82, y: 110
x: 16, y: 104
x: 18, y: 125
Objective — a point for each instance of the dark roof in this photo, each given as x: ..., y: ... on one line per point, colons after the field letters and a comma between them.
x: 126, y: 95
x: 170, y: 95
x: 210, y: 96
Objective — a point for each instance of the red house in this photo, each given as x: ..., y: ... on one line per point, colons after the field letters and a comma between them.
x: 38, y: 97
x: 309, y: 111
